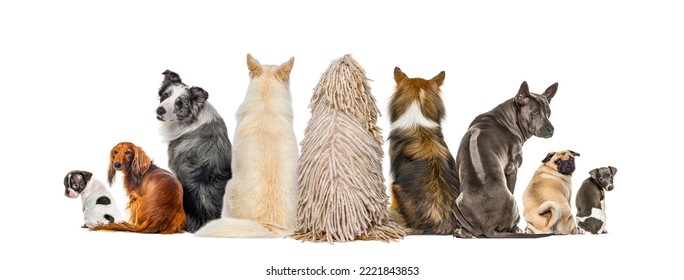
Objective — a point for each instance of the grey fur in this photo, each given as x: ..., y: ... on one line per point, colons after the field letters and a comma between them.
x: 591, y: 195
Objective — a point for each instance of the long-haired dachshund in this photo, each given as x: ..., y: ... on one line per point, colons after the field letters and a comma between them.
x: 155, y: 195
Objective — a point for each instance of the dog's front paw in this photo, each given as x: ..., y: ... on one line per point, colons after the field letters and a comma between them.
x: 604, y: 231
x: 461, y: 233
x: 580, y: 230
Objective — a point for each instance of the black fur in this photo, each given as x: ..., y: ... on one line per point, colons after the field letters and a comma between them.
x: 103, y: 200
x: 109, y: 218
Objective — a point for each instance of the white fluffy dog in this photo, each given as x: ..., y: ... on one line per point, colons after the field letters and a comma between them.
x: 261, y: 198
x: 99, y: 207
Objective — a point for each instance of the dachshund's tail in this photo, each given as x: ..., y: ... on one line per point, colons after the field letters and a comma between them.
x: 230, y: 227
x: 142, y: 228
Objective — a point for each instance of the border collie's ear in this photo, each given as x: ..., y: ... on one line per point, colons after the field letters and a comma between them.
x: 573, y: 153
x: 550, y: 92
x: 439, y: 79
x: 170, y: 77
x: 594, y: 174
x: 399, y: 75
x: 198, y: 95
x: 522, y: 98
x: 612, y: 169
x: 548, y: 157
x: 253, y: 66
x: 141, y: 163
x: 284, y: 70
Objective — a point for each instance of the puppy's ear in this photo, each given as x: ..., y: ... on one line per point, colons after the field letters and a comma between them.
x: 522, y: 98
x: 66, y: 180
x: 612, y: 169
x: 170, y: 77
x: 594, y: 173
x: 111, y: 171
x: 550, y: 92
x: 86, y: 175
x: 199, y: 95
x: 548, y: 157
x: 399, y: 75
x: 573, y: 153
x: 253, y: 66
x: 141, y: 163
x: 439, y: 79
x: 284, y: 70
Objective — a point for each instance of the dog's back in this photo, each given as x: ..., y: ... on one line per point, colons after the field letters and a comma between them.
x: 422, y: 168
x: 261, y: 198
x: 99, y: 206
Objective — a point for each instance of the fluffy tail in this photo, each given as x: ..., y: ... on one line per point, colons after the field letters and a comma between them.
x: 142, y: 228
x: 230, y: 227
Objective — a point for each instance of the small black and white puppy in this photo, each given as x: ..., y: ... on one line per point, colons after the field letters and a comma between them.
x: 590, y: 200
x: 199, y: 148
x: 99, y: 207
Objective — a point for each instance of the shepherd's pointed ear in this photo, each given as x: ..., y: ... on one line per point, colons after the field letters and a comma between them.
x: 523, y: 94
x: 198, y: 94
x: 399, y: 75
x: 439, y: 79
x: 284, y: 70
x: 254, y: 66
x: 548, y: 157
x: 550, y: 92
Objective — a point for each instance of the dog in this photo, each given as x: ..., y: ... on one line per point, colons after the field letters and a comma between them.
x: 261, y: 198
x: 546, y: 200
x: 155, y: 195
x: 487, y: 162
x: 199, y: 148
x: 99, y: 207
x: 590, y: 200
x: 422, y: 168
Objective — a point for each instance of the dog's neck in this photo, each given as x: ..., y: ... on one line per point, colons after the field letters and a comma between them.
x: 509, y: 117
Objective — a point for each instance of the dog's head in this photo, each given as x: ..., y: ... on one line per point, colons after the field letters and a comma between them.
x: 425, y: 94
x: 535, y: 111
x: 129, y: 159
x: 563, y: 162
x: 75, y: 182
x: 604, y: 177
x: 179, y: 102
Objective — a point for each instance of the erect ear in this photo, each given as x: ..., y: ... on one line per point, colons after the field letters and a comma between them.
x: 254, y: 66
x: 198, y: 94
x: 86, y: 175
x: 170, y: 77
x: 439, y: 79
x: 523, y: 94
x: 612, y: 169
x: 399, y: 75
x: 141, y: 163
x: 284, y: 70
x: 574, y: 153
x: 550, y: 92
x: 594, y: 173
x: 548, y: 157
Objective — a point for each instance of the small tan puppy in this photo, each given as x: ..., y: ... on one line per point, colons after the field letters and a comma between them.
x: 546, y: 200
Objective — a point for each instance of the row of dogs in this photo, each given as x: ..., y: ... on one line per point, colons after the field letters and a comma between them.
x: 249, y: 188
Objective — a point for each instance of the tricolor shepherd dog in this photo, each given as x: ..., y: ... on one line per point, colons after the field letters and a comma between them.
x: 422, y: 168
x: 199, y: 149
x: 155, y: 195
x: 261, y: 198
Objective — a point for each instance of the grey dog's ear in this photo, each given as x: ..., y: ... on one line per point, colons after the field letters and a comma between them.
x: 594, y: 173
x: 170, y: 77
x: 548, y: 157
x: 612, y: 169
x: 522, y: 98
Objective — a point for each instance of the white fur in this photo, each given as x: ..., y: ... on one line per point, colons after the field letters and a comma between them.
x: 93, y: 214
x: 261, y: 198
x: 171, y: 129
x: 413, y: 117
x: 596, y: 214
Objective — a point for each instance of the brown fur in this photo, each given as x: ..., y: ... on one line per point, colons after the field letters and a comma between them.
x: 547, y: 198
x: 155, y: 195
x: 422, y: 167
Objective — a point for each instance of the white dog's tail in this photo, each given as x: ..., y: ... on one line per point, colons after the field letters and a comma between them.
x: 239, y: 228
x: 554, y: 209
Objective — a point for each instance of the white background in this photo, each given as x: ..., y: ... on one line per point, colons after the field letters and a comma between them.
x: 79, y: 77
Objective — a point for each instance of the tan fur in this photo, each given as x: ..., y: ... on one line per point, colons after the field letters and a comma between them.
x: 546, y: 200
x: 261, y: 198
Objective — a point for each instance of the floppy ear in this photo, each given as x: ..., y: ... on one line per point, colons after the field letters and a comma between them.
x: 86, y: 175
x: 548, y: 157
x: 111, y: 171
x: 574, y: 153
x: 170, y: 77
x: 284, y: 70
x: 612, y: 169
x: 199, y: 95
x: 439, y: 79
x: 594, y: 173
x: 550, y: 92
x: 141, y: 162
x: 254, y: 66
x: 399, y: 75
x: 523, y: 94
